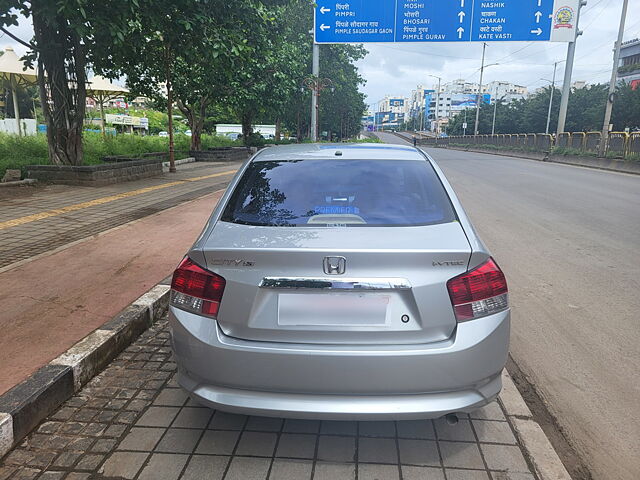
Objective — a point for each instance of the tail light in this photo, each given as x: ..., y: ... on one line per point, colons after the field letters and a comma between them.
x: 196, y: 290
x: 480, y: 292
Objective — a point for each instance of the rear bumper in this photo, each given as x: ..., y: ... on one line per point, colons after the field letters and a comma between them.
x: 341, y: 382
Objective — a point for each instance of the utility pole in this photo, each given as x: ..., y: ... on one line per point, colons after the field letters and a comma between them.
x: 495, y: 111
x: 553, y: 90
x: 475, y: 130
x: 315, y: 71
x: 568, y: 72
x: 438, y: 108
x: 604, y: 139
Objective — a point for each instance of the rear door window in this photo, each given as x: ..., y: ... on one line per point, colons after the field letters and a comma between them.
x: 339, y: 193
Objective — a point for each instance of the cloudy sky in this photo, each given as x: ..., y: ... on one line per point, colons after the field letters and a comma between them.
x: 396, y: 69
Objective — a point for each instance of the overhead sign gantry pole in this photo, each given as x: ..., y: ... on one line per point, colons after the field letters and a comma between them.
x: 565, y: 14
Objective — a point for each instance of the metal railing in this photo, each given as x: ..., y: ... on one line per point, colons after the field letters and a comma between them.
x: 619, y: 144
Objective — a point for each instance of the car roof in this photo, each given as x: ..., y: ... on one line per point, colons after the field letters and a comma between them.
x: 349, y: 151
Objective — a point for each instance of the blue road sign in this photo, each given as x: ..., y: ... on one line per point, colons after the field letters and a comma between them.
x: 363, y: 21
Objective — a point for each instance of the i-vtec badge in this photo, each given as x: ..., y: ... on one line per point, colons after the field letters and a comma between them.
x: 237, y: 262
x: 447, y: 264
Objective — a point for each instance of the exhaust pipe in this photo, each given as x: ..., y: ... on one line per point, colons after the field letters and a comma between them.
x: 452, y: 419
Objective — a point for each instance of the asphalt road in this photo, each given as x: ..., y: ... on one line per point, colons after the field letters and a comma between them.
x: 567, y: 238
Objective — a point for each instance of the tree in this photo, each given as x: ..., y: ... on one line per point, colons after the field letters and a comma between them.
x: 193, y: 47
x: 160, y: 35
x: 63, y: 46
x: 269, y: 86
x: 264, y: 83
x: 585, y: 113
x: 341, y: 110
x: 626, y: 108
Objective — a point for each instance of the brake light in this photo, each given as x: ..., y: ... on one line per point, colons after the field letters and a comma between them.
x: 480, y: 292
x: 196, y: 290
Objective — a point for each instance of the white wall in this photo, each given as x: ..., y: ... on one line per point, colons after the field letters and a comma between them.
x: 28, y: 126
x: 222, y: 129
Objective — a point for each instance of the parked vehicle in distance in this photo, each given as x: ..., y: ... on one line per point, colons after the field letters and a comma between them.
x: 188, y: 133
x: 163, y: 134
x: 234, y: 136
x: 340, y: 282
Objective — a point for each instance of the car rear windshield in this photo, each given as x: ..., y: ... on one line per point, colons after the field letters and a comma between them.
x: 339, y: 193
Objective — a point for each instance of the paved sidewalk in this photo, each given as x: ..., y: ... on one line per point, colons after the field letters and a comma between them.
x: 38, y: 219
x: 132, y: 422
x: 52, y: 301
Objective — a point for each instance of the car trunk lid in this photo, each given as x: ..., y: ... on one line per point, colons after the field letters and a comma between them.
x: 352, y: 285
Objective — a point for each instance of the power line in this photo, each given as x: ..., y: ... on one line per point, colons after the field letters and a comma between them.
x: 429, y: 54
x: 597, y: 16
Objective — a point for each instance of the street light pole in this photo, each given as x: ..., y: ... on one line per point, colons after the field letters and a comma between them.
x: 438, y: 104
x: 568, y: 72
x: 553, y: 90
x: 612, y: 85
x: 316, y: 85
x: 315, y: 71
x: 484, y: 47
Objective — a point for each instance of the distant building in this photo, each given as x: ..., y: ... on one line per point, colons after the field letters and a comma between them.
x: 629, y: 68
x: 395, y: 104
x: 456, y: 96
x: 506, y: 91
x: 392, y: 112
x: 460, y: 86
x: 579, y: 85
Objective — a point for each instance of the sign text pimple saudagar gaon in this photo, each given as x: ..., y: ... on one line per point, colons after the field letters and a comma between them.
x: 366, y: 21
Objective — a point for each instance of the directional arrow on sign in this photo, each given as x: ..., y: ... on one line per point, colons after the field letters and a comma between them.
x: 324, y: 27
x: 460, y: 32
x: 537, y: 31
x: 461, y: 15
x: 538, y: 14
x: 324, y: 10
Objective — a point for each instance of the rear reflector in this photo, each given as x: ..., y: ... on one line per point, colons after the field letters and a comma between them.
x: 480, y: 292
x: 196, y: 290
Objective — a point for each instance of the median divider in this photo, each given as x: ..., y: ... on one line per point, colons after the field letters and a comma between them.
x: 24, y: 406
x: 610, y: 164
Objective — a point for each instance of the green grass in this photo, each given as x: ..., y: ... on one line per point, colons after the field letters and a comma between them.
x: 19, y: 152
x: 497, y: 148
x: 572, y: 151
x: 566, y: 151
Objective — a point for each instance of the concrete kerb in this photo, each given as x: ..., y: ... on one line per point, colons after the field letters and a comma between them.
x: 18, y: 183
x: 542, y: 455
x: 165, y: 165
x: 6, y: 433
x: 24, y: 406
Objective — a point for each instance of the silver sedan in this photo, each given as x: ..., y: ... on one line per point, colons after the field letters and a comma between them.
x: 340, y: 282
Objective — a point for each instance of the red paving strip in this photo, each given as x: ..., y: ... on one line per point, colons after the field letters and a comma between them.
x: 54, y: 301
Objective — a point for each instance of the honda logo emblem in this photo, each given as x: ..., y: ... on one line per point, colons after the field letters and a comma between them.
x: 334, y: 265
